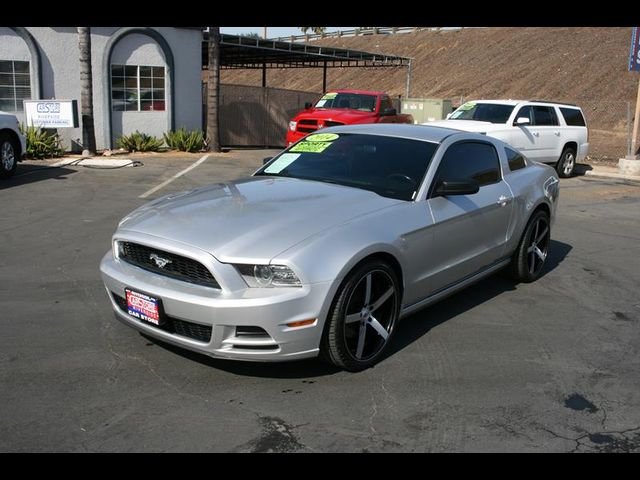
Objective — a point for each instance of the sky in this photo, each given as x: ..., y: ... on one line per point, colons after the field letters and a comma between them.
x: 274, y: 31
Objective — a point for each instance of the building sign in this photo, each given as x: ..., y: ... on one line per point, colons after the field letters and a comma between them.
x: 634, y: 54
x: 51, y: 113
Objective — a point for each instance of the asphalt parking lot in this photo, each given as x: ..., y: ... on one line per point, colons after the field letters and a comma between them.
x: 550, y: 366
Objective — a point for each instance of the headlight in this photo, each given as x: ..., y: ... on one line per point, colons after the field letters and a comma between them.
x: 117, y: 249
x: 292, y: 126
x: 268, y: 276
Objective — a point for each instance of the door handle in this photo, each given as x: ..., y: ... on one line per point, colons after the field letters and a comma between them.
x: 556, y: 134
x: 502, y: 200
x: 536, y: 134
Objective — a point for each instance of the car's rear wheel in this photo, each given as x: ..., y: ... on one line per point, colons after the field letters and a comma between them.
x: 567, y: 163
x: 530, y: 256
x: 8, y: 156
x: 363, y: 317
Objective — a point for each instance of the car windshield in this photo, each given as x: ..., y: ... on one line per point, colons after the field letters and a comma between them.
x: 483, y: 112
x: 389, y: 166
x: 353, y: 101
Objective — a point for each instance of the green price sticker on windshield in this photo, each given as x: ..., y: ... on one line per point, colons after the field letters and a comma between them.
x: 467, y: 106
x: 310, y: 147
x: 322, y: 137
x: 329, y: 96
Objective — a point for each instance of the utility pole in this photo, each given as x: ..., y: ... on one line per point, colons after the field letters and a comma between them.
x: 264, y: 32
x: 631, y: 164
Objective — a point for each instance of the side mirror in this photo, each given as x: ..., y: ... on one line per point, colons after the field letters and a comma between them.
x: 389, y: 112
x: 466, y: 187
x: 521, y: 121
x: 307, y: 105
x: 266, y: 160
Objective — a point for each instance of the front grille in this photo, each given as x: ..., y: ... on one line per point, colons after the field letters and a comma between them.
x: 307, y: 126
x: 174, y: 325
x: 178, y: 267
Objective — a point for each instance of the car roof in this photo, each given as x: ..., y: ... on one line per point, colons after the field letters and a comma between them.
x: 517, y: 102
x: 359, y: 92
x: 499, y: 102
x: 425, y: 133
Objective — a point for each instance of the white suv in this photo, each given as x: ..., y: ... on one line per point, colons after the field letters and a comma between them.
x: 547, y: 132
x: 12, y: 144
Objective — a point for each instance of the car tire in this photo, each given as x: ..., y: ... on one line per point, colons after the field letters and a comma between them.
x: 567, y: 163
x: 8, y: 156
x: 529, y: 258
x: 354, y: 339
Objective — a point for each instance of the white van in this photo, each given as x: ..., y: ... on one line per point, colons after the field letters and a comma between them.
x: 547, y: 132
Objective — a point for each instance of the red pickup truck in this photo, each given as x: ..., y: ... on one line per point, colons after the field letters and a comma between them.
x: 344, y: 107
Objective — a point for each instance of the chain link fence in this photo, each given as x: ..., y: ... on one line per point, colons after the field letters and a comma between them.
x: 610, y: 127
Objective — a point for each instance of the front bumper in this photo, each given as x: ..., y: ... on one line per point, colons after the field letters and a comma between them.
x: 293, y: 137
x: 221, y: 311
x: 23, y: 147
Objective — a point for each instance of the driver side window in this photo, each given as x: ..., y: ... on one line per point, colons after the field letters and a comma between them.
x: 465, y: 161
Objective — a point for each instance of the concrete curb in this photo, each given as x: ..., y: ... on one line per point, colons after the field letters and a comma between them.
x: 617, y: 176
x: 94, y: 162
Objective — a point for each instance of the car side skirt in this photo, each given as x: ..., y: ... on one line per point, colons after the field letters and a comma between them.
x: 451, y: 289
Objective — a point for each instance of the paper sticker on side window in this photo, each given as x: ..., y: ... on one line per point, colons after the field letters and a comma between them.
x: 282, y: 162
x: 310, y: 147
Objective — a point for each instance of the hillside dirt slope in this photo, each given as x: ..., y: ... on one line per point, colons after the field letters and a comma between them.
x: 582, y: 65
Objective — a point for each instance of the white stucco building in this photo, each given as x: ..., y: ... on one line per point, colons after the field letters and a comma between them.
x: 144, y: 78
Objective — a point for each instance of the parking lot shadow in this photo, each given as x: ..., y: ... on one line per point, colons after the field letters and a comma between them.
x: 415, y: 326
x: 35, y: 173
x: 581, y: 169
x: 409, y: 330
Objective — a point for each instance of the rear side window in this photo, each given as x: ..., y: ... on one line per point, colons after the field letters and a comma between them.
x: 470, y: 160
x: 573, y: 117
x: 515, y: 159
x: 545, y: 116
x: 385, y: 103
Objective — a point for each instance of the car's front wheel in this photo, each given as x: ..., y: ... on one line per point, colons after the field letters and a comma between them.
x: 8, y: 156
x: 530, y: 256
x: 567, y: 163
x: 363, y: 317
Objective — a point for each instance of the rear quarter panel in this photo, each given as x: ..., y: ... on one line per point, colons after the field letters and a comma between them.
x: 531, y: 186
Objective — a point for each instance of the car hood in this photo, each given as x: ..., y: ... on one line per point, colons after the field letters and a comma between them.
x: 468, y: 125
x: 254, y: 218
x: 337, y: 114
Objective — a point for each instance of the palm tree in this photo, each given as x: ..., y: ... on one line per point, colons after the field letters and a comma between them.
x: 86, y: 92
x: 316, y: 30
x: 213, y: 89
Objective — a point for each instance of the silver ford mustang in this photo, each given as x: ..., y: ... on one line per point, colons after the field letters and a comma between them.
x: 330, y: 243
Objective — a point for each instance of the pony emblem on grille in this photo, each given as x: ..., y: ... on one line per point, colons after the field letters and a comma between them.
x: 160, y: 262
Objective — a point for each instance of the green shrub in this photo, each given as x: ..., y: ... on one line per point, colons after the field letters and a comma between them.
x: 139, y: 142
x: 41, y: 143
x: 185, y: 141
